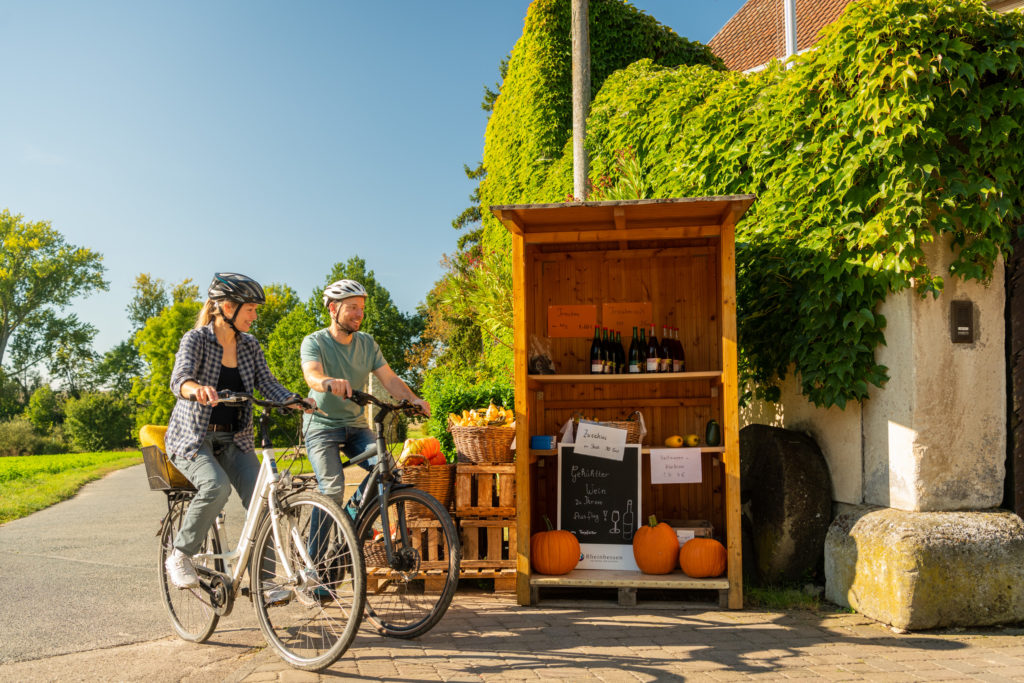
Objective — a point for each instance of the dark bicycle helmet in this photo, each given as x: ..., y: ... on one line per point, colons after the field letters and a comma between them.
x: 236, y: 287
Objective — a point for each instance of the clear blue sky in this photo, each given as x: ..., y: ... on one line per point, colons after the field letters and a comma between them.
x: 269, y: 138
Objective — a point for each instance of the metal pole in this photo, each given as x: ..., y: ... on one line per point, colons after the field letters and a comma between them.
x: 580, y: 95
x: 790, y: 29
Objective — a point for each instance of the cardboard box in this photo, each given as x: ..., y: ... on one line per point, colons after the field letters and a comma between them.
x: 687, y: 529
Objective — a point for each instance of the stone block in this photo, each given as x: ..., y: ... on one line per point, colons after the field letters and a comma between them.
x: 923, y: 570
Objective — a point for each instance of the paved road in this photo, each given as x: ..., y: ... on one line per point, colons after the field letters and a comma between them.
x: 63, y: 619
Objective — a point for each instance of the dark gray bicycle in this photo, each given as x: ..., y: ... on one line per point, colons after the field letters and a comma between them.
x: 410, y: 546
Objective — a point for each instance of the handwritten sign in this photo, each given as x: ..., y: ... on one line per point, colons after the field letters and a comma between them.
x: 599, y: 502
x: 600, y: 441
x: 624, y: 316
x: 572, y: 320
x: 675, y: 466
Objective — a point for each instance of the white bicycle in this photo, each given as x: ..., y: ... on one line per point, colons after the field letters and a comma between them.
x: 308, y: 586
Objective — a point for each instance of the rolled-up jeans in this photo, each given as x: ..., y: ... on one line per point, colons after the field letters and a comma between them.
x: 324, y: 448
x: 213, y: 476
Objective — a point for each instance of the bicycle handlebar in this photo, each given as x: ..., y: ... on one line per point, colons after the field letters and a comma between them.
x: 361, y: 398
x: 228, y: 397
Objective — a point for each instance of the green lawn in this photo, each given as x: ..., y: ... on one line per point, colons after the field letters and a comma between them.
x: 29, y: 483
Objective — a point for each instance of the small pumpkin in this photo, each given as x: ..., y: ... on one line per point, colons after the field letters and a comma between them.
x: 655, y: 547
x: 555, y: 551
x: 702, y: 558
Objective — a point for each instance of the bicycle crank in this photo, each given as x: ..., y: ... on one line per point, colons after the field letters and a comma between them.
x: 217, y: 587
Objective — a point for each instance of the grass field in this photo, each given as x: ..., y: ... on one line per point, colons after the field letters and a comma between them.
x: 32, y: 482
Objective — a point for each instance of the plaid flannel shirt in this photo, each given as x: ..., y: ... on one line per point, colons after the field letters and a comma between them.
x: 199, y: 359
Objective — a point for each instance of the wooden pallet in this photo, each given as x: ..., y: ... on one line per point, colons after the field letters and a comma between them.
x: 504, y: 580
x: 427, y: 538
x: 488, y: 543
x: 485, y: 491
x: 377, y: 580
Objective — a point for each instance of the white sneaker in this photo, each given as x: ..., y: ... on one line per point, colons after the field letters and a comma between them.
x: 180, y: 570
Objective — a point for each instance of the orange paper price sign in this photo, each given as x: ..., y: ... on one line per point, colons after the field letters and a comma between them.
x: 572, y: 321
x: 623, y: 316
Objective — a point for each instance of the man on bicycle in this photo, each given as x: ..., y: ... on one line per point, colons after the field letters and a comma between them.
x: 335, y: 361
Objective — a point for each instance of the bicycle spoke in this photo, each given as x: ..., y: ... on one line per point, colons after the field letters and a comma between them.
x: 316, y: 622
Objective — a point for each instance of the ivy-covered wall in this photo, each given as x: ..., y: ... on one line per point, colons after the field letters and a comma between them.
x: 531, y: 122
x: 904, y: 123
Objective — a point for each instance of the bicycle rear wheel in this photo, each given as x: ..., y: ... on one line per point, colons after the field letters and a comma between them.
x: 309, y: 621
x: 407, y: 597
x: 192, y: 614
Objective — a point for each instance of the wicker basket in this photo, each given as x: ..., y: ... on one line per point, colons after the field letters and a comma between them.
x: 437, y: 480
x: 483, y: 445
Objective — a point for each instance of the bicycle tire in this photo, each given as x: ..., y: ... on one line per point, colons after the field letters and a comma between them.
x: 401, y: 603
x: 192, y: 616
x: 314, y: 626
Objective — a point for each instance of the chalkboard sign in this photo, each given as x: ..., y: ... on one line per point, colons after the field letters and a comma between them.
x: 599, y: 501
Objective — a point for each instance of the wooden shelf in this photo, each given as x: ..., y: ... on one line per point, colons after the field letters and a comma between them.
x: 626, y: 579
x: 631, y: 378
x: 537, y: 452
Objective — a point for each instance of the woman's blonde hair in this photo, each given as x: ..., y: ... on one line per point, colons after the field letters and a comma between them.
x: 206, y: 314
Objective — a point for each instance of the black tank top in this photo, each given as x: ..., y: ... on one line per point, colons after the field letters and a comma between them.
x: 223, y: 415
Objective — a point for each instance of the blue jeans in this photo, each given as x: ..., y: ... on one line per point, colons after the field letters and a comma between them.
x: 213, y: 476
x: 324, y: 448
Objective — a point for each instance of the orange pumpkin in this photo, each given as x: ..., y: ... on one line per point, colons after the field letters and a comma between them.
x: 702, y: 557
x: 655, y: 547
x: 555, y: 551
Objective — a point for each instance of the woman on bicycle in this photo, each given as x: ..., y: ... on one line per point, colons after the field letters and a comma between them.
x: 212, y: 445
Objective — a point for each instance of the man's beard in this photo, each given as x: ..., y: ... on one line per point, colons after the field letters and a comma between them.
x: 349, y: 328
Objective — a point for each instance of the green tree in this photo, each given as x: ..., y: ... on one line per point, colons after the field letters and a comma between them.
x: 44, y: 410
x: 184, y: 291
x: 62, y: 344
x: 40, y: 273
x: 282, y: 349
x: 281, y: 300
x: 158, y: 343
x: 149, y: 299
x: 118, y: 368
x: 98, y: 422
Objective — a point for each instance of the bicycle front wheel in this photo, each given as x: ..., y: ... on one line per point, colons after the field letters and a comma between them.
x: 192, y: 614
x: 409, y: 594
x: 311, y: 617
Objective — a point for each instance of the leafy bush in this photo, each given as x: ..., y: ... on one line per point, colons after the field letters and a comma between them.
x: 44, y: 410
x: 454, y: 396
x: 18, y: 437
x: 99, y: 422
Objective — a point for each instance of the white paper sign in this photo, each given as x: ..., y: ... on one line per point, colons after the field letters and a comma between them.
x: 600, y: 441
x: 602, y: 556
x: 675, y: 466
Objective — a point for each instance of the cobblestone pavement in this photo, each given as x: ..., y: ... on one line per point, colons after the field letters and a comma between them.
x: 487, y: 638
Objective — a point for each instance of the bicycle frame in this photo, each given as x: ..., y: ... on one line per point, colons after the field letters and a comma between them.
x: 263, y: 498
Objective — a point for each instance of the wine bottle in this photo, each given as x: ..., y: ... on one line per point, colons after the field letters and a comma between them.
x: 620, y: 354
x: 608, y: 354
x: 634, y: 353
x: 680, y: 355
x: 643, y: 351
x: 666, y: 351
x: 653, y: 351
x: 596, y: 354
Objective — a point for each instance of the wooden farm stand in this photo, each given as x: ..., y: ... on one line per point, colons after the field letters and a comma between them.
x: 679, y: 255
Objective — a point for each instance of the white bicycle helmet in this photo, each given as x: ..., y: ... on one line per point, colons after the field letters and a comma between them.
x: 343, y: 289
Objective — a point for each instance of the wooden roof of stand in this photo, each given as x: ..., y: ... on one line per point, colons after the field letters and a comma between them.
x: 632, y: 219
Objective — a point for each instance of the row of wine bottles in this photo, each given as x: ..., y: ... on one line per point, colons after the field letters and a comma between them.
x: 646, y: 353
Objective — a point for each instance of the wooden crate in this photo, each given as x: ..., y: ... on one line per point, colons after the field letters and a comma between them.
x: 429, y: 540
x: 485, y: 491
x: 487, y: 544
x: 503, y: 580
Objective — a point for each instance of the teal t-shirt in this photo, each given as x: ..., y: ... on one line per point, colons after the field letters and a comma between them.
x: 353, y: 361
